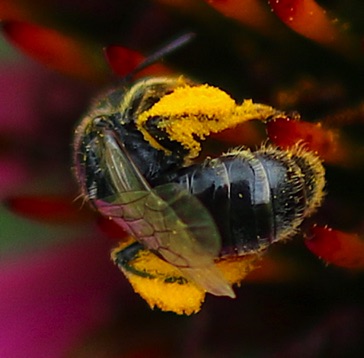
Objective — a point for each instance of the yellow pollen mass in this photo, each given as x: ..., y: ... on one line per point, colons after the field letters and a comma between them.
x: 191, y: 112
x: 194, y: 100
x: 167, y: 288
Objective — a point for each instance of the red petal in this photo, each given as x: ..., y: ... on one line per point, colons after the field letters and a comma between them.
x: 56, y: 50
x: 53, y: 209
x: 123, y: 61
x: 307, y: 18
x: 337, y: 247
x: 286, y: 132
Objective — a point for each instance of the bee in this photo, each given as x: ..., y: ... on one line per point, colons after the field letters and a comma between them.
x: 116, y: 167
x: 135, y: 161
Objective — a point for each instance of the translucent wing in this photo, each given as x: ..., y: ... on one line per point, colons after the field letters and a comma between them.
x: 167, y: 220
x: 178, y: 228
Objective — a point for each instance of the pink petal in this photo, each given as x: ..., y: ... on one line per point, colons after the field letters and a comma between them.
x: 50, y: 298
x: 18, y: 94
x: 12, y: 174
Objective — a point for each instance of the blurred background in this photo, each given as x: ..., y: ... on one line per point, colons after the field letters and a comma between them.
x: 60, y: 295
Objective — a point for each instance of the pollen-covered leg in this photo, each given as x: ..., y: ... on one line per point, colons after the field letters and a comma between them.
x: 159, y: 283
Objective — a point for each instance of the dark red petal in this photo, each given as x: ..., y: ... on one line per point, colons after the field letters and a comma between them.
x: 337, y: 247
x: 53, y: 209
x: 111, y: 229
x: 286, y: 132
x: 58, y: 51
x: 10, y: 10
x: 252, y: 13
x: 123, y: 61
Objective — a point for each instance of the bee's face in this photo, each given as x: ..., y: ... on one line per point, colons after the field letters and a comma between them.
x: 134, y: 160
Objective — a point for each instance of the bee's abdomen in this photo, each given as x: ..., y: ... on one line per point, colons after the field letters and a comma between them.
x: 296, y: 180
x: 256, y: 198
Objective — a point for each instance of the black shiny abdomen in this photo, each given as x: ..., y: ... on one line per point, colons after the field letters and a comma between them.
x: 255, y: 198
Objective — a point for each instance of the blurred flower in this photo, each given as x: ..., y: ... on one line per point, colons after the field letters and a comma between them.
x: 51, y: 296
x: 60, y: 295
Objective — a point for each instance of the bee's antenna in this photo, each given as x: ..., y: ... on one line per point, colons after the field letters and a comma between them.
x: 162, y: 52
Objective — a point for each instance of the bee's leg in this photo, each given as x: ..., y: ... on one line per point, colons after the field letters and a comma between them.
x: 124, y: 257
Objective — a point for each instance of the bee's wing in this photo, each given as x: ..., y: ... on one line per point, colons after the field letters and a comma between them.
x: 167, y: 219
x: 173, y: 223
